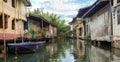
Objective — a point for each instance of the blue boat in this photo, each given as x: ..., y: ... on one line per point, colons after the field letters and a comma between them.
x: 24, y: 47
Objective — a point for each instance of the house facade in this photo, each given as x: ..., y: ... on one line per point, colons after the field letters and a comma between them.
x: 84, y: 31
x: 102, y: 21
x: 76, y: 27
x: 97, y: 21
x: 13, y: 10
x: 79, y: 28
x: 41, y: 26
x: 116, y: 23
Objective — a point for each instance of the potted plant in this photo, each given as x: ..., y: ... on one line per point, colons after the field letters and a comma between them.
x: 32, y: 33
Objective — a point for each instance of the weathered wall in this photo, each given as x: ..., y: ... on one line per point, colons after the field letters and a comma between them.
x: 100, y: 25
x: 78, y: 26
x: 10, y: 11
x: 116, y: 25
x: 52, y: 31
x: 87, y: 27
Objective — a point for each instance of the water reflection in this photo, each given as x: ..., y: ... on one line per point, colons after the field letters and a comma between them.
x: 115, y: 55
x: 68, y: 50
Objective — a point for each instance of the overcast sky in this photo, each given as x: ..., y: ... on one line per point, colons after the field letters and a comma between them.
x: 67, y: 9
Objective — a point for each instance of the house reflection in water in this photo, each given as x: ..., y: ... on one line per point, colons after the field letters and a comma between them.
x: 101, y: 54
x: 68, y: 51
x: 115, y: 55
x: 87, y: 52
x: 52, y: 48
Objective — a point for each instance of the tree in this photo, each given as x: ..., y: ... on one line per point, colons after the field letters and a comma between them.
x: 54, y: 19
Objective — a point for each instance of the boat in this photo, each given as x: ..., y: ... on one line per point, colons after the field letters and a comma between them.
x: 24, y: 47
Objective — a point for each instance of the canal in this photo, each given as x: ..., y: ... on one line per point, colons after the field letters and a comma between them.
x: 68, y: 50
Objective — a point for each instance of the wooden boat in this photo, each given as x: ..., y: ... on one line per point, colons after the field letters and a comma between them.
x: 24, y: 47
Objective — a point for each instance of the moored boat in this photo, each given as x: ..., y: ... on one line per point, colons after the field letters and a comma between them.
x: 24, y: 47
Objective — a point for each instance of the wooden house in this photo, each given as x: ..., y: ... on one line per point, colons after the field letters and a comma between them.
x: 15, y: 17
x: 98, y: 21
x: 116, y: 23
x: 40, y: 25
x: 85, y: 32
x: 101, y: 21
x: 76, y: 26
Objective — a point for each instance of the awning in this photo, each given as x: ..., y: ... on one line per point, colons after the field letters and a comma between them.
x: 99, y: 4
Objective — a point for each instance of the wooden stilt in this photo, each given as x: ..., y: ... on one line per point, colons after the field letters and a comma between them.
x: 42, y: 25
x: 3, y: 27
x: 94, y: 42
x: 21, y: 23
x: 15, y: 24
x: 15, y: 29
x: 98, y: 43
x: 5, y: 59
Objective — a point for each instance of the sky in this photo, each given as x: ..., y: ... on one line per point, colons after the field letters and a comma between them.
x: 67, y: 9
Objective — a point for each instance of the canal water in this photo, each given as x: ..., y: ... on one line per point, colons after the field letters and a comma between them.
x: 68, y: 50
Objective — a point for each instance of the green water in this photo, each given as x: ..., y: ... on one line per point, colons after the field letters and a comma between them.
x: 68, y: 50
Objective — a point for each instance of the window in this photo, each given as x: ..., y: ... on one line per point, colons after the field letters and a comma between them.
x: 25, y: 25
x: 5, y: 0
x: 1, y: 23
x: 13, y: 24
x: 6, y: 21
x: 80, y: 30
x: 118, y: 16
x: 13, y: 3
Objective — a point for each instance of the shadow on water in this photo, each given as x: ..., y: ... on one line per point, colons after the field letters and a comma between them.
x: 68, y: 50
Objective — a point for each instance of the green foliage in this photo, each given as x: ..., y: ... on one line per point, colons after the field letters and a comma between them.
x: 32, y: 33
x: 62, y: 28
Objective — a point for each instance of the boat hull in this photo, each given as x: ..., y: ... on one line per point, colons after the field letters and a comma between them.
x: 24, y: 47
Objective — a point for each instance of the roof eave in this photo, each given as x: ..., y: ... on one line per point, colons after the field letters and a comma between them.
x: 93, y: 6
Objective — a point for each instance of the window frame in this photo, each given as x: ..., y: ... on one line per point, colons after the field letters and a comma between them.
x: 13, y: 24
x: 13, y: 3
x: 6, y: 22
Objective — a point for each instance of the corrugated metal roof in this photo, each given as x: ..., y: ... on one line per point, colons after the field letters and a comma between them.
x: 82, y: 11
x: 40, y: 19
x: 99, y: 4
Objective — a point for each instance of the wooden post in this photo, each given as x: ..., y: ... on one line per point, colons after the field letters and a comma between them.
x: 21, y: 22
x: 15, y: 28
x: 42, y: 25
x: 3, y: 20
x: 15, y: 23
